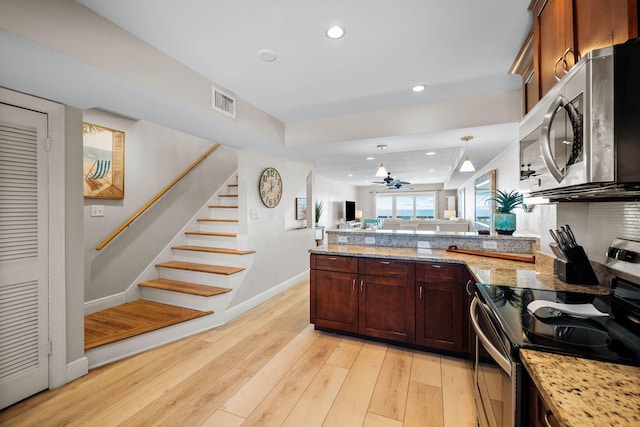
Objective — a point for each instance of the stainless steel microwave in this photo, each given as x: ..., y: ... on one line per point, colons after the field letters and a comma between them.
x: 582, y: 140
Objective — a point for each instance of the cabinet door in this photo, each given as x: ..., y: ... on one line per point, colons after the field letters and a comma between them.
x: 440, y: 316
x: 386, y: 308
x: 334, y: 300
x: 554, y: 22
x: 602, y: 23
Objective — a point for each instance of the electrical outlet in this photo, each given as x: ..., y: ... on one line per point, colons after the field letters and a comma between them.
x: 490, y: 244
x: 342, y: 239
x: 370, y: 240
x: 254, y: 214
x: 424, y: 245
x: 97, y: 210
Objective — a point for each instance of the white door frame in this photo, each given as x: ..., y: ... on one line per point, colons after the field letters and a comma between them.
x: 57, y: 291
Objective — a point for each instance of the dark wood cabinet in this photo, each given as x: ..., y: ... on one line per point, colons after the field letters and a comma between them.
x: 334, y: 300
x: 538, y: 412
x: 386, y: 301
x: 563, y: 32
x: 414, y: 303
x: 440, y: 307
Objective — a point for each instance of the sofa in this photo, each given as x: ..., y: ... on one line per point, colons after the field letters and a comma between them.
x: 456, y: 225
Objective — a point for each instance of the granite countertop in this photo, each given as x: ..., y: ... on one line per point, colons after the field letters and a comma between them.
x: 491, y: 271
x: 582, y: 392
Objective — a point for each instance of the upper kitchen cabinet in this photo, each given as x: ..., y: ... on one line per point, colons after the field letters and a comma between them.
x: 563, y: 32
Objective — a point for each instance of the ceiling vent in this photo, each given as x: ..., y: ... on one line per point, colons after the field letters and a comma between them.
x: 223, y: 102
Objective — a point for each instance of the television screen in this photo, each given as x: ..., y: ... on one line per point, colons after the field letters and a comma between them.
x: 349, y: 211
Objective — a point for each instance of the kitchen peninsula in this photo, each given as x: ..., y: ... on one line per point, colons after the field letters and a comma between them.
x: 404, y: 286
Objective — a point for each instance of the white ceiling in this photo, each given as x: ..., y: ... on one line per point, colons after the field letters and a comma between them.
x: 458, y: 48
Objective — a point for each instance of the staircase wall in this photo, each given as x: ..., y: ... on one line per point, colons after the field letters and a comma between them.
x: 154, y: 156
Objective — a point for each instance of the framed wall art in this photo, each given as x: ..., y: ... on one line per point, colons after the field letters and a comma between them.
x: 103, y: 162
x: 301, y: 208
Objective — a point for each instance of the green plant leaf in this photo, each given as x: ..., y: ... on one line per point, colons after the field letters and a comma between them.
x: 505, y: 201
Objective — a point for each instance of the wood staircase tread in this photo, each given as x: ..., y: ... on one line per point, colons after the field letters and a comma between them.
x: 204, y: 268
x: 222, y: 207
x: 211, y: 233
x: 213, y: 250
x: 228, y: 195
x: 132, y: 319
x: 184, y: 287
x: 217, y: 220
x: 232, y: 185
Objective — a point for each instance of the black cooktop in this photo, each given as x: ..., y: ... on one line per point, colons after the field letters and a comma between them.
x: 613, y: 338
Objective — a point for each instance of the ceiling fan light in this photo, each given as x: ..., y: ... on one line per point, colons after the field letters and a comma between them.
x: 382, y: 172
x: 467, y: 166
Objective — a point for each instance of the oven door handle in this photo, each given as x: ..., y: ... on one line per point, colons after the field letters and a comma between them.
x: 502, y: 361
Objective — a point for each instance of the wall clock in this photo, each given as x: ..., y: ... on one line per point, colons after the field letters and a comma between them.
x: 270, y: 187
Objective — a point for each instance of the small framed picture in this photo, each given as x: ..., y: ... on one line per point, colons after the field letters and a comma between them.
x: 301, y: 208
x: 103, y: 162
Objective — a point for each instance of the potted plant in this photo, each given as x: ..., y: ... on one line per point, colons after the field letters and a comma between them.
x: 504, y: 220
x: 319, y: 210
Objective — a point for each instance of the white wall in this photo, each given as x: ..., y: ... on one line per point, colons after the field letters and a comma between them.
x: 334, y: 194
x: 281, y: 248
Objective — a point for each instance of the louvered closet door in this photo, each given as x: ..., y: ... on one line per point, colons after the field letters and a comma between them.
x: 24, y: 368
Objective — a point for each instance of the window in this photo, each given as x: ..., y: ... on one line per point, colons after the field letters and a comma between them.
x: 406, y: 206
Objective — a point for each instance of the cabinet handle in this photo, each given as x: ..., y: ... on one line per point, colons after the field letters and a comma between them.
x: 564, y: 59
x: 361, y: 285
x: 385, y: 262
x: 353, y: 284
x: 469, y: 282
x: 332, y: 258
x: 555, y: 68
x: 435, y: 266
x: 420, y: 292
x: 547, y: 423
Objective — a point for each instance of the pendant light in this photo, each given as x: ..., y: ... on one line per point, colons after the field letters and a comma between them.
x: 467, y: 166
x: 382, y: 172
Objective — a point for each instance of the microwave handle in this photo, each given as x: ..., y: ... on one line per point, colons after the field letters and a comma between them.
x: 545, y: 138
x: 502, y: 361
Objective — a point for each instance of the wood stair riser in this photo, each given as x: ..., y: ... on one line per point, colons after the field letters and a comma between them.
x: 212, y: 241
x: 225, y: 281
x: 223, y: 213
x: 216, y: 303
x: 244, y: 261
x: 118, y: 350
x: 219, y: 227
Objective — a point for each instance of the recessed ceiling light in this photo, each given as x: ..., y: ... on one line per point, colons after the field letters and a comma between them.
x: 335, y: 32
x: 267, y: 55
x: 418, y: 88
x: 432, y: 170
x: 431, y: 153
x: 350, y: 174
x: 371, y: 158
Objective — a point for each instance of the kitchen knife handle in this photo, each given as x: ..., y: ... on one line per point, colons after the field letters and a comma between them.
x: 553, y: 235
x: 571, y: 235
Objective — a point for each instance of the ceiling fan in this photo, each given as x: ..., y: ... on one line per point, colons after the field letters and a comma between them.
x: 392, y: 183
x: 524, y: 174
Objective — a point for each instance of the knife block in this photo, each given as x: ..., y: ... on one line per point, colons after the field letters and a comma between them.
x: 577, y: 270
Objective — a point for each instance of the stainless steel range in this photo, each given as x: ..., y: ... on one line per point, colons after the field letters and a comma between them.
x: 602, y: 327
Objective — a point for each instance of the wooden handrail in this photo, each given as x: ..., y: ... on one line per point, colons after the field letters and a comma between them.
x: 155, y: 199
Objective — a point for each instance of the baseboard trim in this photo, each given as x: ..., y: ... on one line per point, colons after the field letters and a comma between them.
x: 77, y: 369
x: 255, y: 301
x: 104, y: 303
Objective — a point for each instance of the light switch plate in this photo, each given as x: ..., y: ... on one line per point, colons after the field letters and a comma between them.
x: 424, y: 245
x: 97, y: 210
x: 370, y: 240
x: 342, y: 239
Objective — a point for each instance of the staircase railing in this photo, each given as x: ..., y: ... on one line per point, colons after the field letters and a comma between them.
x: 142, y: 210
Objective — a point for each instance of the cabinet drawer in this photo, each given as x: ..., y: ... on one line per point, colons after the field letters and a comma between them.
x: 438, y: 272
x: 334, y: 263
x: 386, y: 268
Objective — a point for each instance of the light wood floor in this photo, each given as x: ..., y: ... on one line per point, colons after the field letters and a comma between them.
x: 268, y: 367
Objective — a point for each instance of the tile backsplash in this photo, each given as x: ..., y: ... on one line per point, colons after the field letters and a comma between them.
x: 606, y: 221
